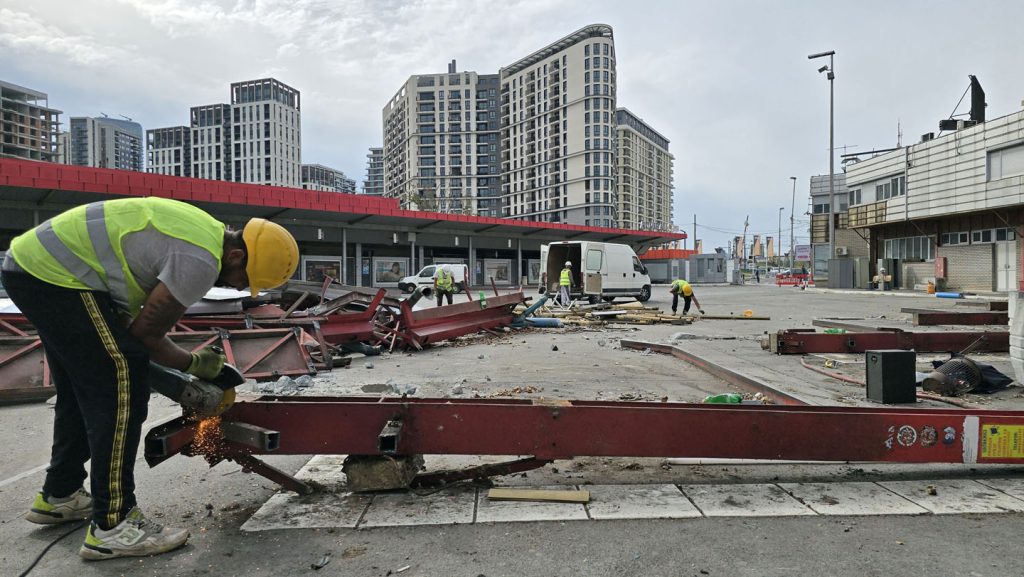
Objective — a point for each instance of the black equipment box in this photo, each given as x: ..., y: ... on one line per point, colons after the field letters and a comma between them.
x: 891, y: 376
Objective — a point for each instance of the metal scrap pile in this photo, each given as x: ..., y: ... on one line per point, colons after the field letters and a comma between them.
x: 633, y: 313
x: 299, y: 330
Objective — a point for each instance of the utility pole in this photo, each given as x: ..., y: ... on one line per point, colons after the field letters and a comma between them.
x: 778, y: 239
x: 743, y: 243
x: 695, y: 233
x: 792, y: 207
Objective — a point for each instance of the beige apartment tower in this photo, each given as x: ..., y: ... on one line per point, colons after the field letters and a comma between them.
x: 441, y: 143
x: 643, y: 175
x: 558, y: 131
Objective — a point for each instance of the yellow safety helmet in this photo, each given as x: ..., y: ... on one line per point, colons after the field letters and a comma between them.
x: 273, y: 254
x: 687, y: 290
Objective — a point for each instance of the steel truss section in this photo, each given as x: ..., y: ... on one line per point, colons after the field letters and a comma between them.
x: 24, y: 370
x: 802, y: 341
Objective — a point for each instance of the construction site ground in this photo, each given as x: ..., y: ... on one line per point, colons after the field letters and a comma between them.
x: 646, y: 516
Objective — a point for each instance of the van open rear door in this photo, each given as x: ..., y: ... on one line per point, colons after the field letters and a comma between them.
x: 594, y: 270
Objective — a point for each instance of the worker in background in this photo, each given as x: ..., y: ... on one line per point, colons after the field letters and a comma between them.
x: 565, y: 284
x: 678, y: 287
x: 444, y: 283
x: 103, y: 284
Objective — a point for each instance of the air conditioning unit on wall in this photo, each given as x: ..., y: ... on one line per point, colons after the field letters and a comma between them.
x: 842, y: 251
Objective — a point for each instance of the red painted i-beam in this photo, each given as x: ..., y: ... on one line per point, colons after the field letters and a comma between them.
x: 565, y: 429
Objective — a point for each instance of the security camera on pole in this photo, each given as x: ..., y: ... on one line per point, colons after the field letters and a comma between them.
x: 830, y: 68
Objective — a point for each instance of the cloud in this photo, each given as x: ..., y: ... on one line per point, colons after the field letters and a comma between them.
x: 23, y: 33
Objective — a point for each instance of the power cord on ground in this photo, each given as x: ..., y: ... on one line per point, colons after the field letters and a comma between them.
x: 48, y: 547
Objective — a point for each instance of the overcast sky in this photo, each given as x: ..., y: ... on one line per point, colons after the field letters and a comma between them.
x: 728, y: 83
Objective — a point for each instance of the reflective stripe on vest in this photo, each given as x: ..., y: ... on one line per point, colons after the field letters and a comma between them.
x: 565, y: 279
x: 81, y: 249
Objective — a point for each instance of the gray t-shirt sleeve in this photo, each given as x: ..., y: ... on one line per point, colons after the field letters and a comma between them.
x: 189, y: 275
x: 187, y: 270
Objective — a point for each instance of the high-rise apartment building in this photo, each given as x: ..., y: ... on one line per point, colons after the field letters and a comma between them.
x: 210, y: 129
x: 441, y: 143
x: 374, y: 183
x: 28, y: 126
x: 266, y: 133
x: 558, y: 131
x: 538, y: 141
x: 320, y: 177
x: 255, y: 139
x: 169, y: 150
x: 102, y: 143
x: 643, y: 174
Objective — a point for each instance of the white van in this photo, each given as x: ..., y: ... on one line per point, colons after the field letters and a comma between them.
x: 426, y: 277
x: 608, y: 270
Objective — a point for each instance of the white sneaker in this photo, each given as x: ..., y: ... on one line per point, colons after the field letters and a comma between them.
x: 76, y: 507
x: 136, y: 536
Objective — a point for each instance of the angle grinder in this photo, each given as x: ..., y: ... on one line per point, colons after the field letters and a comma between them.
x: 200, y: 397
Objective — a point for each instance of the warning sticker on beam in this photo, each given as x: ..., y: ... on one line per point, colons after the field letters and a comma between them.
x: 1002, y: 441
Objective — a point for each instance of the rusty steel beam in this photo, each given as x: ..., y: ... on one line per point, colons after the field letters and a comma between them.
x: 565, y: 429
x: 929, y: 317
x: 734, y: 378
x: 799, y: 342
x: 440, y: 323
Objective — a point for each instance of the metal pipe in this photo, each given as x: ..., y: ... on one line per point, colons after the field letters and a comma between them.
x: 533, y: 308
x: 420, y: 292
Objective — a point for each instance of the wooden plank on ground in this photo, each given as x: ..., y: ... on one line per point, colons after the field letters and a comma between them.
x: 543, y: 495
x: 734, y: 318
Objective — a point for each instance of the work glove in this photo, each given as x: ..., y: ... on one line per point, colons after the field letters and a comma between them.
x: 701, y: 311
x: 207, y: 363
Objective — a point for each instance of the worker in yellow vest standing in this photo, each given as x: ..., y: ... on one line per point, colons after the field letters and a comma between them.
x: 444, y: 283
x: 103, y: 284
x: 565, y: 284
x: 681, y: 287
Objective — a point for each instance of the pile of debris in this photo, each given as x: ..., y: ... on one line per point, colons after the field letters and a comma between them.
x: 298, y: 330
x: 599, y: 314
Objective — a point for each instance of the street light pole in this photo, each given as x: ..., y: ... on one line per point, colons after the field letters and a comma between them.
x: 831, y: 148
x: 792, y: 207
x: 778, y: 239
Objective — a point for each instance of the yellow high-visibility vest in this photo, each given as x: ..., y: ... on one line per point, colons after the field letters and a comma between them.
x: 566, y: 278
x: 81, y: 249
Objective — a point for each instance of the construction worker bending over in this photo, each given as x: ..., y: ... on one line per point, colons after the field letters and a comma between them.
x: 565, y: 284
x: 103, y: 283
x: 680, y: 286
x: 444, y: 283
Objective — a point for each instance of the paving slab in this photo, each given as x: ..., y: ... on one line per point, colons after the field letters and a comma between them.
x: 955, y: 496
x: 488, y: 511
x: 744, y: 500
x: 331, y: 508
x: 450, y: 506
x: 1012, y: 487
x: 857, y: 498
x: 639, y: 502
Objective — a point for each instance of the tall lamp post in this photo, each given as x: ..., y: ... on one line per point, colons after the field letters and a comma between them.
x: 778, y: 239
x: 792, y: 208
x: 830, y: 69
